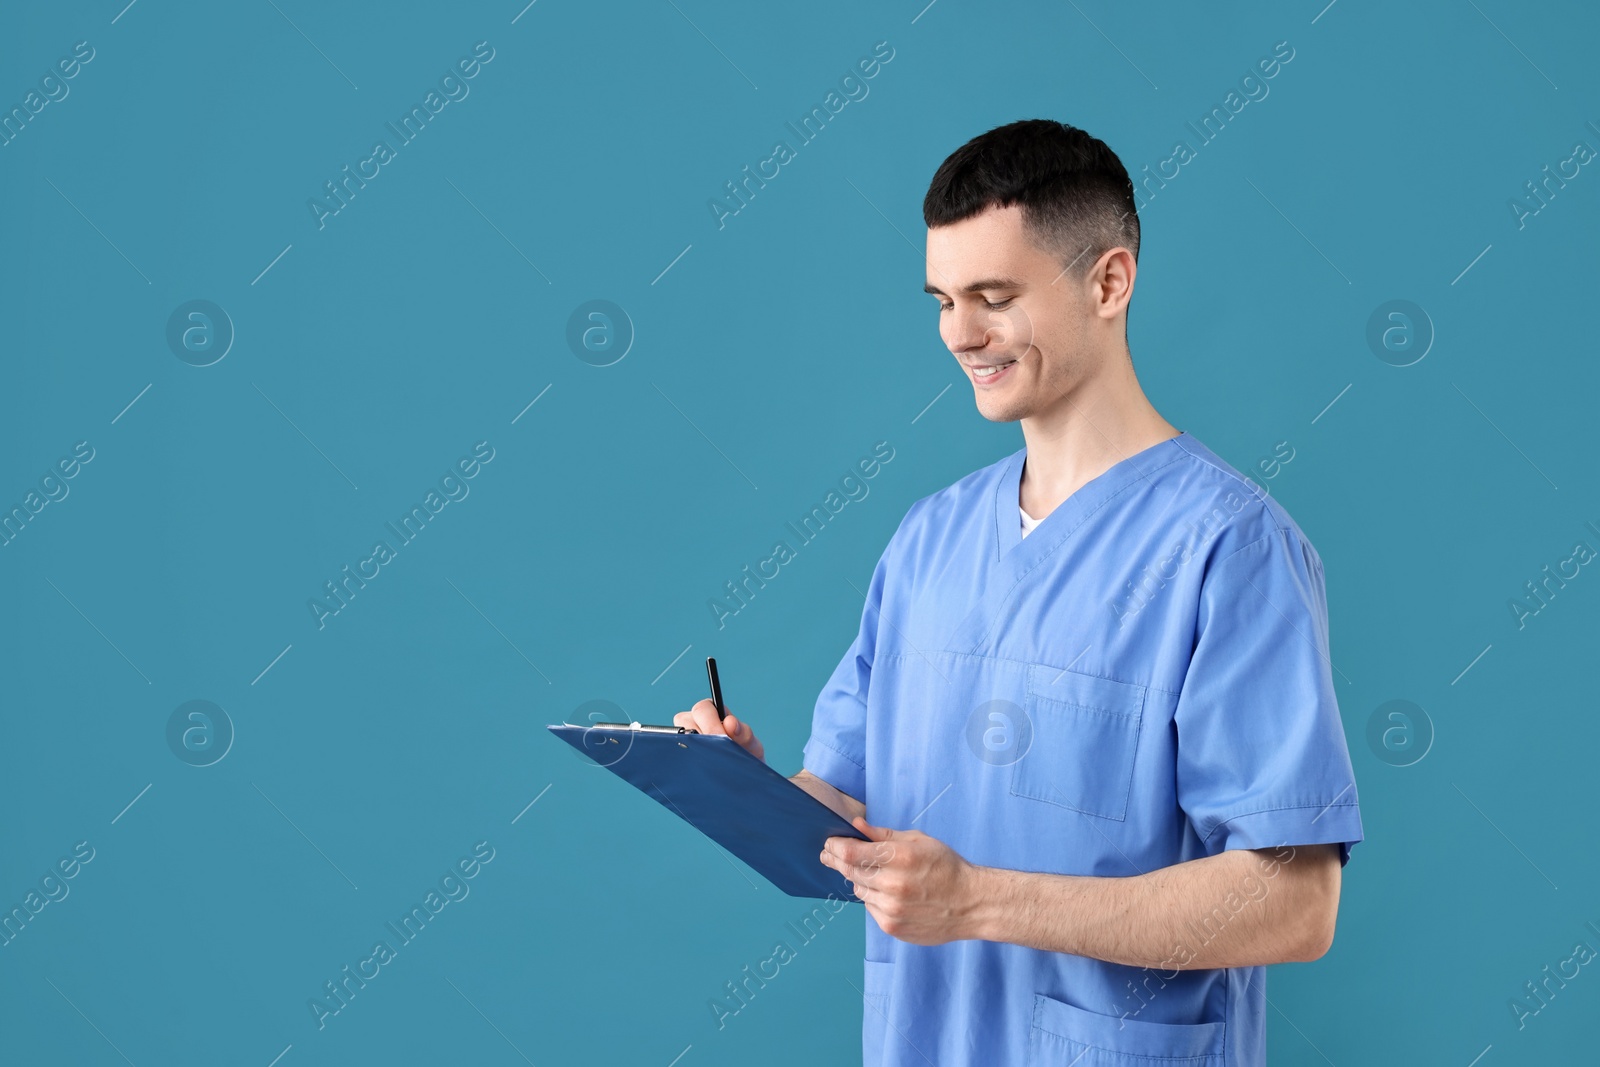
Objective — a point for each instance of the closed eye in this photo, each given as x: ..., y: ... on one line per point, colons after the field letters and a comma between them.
x: 991, y: 306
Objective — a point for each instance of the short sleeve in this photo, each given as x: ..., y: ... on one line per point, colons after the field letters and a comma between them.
x: 836, y: 749
x: 1262, y: 758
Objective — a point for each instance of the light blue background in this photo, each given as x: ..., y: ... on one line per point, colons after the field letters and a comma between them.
x: 772, y: 354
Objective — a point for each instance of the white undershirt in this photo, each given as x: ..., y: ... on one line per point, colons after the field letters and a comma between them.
x: 1028, y: 523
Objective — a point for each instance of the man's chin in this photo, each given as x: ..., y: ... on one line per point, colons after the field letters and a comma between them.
x: 1001, y: 412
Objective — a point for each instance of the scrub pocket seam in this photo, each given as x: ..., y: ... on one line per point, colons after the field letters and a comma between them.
x: 1091, y: 1037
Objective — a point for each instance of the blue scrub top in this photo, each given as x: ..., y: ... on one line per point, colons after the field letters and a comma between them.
x: 1141, y: 681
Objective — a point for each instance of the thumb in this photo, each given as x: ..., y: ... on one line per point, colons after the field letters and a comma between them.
x: 876, y: 833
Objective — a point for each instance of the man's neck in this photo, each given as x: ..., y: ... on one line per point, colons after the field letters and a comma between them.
x: 1101, y: 423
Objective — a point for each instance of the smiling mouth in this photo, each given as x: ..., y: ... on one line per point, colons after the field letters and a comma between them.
x: 989, y: 370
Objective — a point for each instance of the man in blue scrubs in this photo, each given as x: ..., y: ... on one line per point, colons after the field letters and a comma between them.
x: 1090, y: 708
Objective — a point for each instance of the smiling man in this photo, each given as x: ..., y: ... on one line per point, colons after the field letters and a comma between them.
x: 1089, y: 709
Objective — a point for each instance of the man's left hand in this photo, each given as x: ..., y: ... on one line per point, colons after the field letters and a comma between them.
x: 916, y: 887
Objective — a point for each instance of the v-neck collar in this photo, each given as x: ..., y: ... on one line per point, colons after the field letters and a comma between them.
x: 1015, y: 559
x: 1071, y: 512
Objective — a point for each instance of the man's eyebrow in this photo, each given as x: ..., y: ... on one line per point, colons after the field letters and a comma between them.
x: 979, y: 286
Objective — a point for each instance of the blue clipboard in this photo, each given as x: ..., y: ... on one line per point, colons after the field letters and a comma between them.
x: 728, y: 794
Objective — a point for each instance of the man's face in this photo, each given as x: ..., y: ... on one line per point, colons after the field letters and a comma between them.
x: 1015, y: 322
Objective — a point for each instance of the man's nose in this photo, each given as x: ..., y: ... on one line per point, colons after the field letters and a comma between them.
x: 970, y: 328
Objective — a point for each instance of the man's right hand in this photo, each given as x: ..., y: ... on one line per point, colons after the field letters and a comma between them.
x: 703, y: 717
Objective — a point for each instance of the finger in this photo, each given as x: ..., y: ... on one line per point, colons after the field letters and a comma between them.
x: 705, y: 718
x: 841, y: 863
x: 877, y: 833
x: 863, y: 855
x: 867, y: 873
x: 862, y: 876
x: 744, y: 735
x: 858, y: 881
x: 847, y: 848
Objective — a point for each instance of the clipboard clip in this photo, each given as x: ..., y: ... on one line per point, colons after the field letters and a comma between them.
x: 638, y: 726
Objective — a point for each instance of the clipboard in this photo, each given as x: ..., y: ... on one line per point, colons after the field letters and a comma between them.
x: 711, y: 782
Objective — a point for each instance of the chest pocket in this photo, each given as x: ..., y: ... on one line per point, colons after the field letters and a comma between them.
x: 1085, y: 735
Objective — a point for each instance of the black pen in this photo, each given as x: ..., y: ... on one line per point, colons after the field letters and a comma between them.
x: 716, y: 688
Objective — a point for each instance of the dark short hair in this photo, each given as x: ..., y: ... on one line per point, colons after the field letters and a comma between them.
x: 1074, y: 192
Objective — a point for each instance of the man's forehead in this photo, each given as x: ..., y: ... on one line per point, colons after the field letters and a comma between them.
x: 990, y: 250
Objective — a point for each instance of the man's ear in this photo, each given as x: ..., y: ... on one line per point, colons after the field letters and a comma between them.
x: 1111, y: 282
